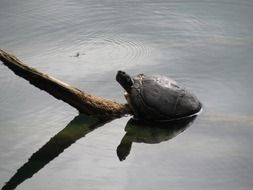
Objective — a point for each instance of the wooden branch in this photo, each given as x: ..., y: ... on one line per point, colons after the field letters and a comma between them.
x: 82, y: 101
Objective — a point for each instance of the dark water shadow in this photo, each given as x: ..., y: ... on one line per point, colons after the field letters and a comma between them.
x: 80, y: 126
x: 137, y: 132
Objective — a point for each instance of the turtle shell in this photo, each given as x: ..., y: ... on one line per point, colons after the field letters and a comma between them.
x: 160, y: 98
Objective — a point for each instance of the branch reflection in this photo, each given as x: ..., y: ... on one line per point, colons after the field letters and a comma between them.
x: 149, y: 133
x: 80, y: 126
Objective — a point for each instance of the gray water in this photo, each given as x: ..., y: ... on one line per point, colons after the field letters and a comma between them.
x: 207, y: 46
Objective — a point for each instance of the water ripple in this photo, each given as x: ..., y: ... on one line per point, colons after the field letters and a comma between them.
x: 110, y: 52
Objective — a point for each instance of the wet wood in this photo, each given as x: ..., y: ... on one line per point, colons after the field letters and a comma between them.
x: 82, y: 101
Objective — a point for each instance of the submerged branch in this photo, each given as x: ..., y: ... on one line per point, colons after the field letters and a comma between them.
x: 82, y: 101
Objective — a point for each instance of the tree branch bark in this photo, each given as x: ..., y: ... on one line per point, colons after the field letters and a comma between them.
x: 82, y: 101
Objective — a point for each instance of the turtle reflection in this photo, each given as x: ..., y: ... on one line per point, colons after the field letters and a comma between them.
x: 150, y: 133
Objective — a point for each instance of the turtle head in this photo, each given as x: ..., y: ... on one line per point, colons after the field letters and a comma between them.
x: 125, y: 80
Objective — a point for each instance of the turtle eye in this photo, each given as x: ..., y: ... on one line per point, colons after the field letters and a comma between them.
x: 121, y: 72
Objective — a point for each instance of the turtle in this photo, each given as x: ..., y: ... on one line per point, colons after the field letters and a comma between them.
x: 157, y: 98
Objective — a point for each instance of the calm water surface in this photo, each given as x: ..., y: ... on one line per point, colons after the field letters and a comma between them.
x: 206, y: 46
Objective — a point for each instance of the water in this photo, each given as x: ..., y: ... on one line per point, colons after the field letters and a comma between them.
x: 204, y: 45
